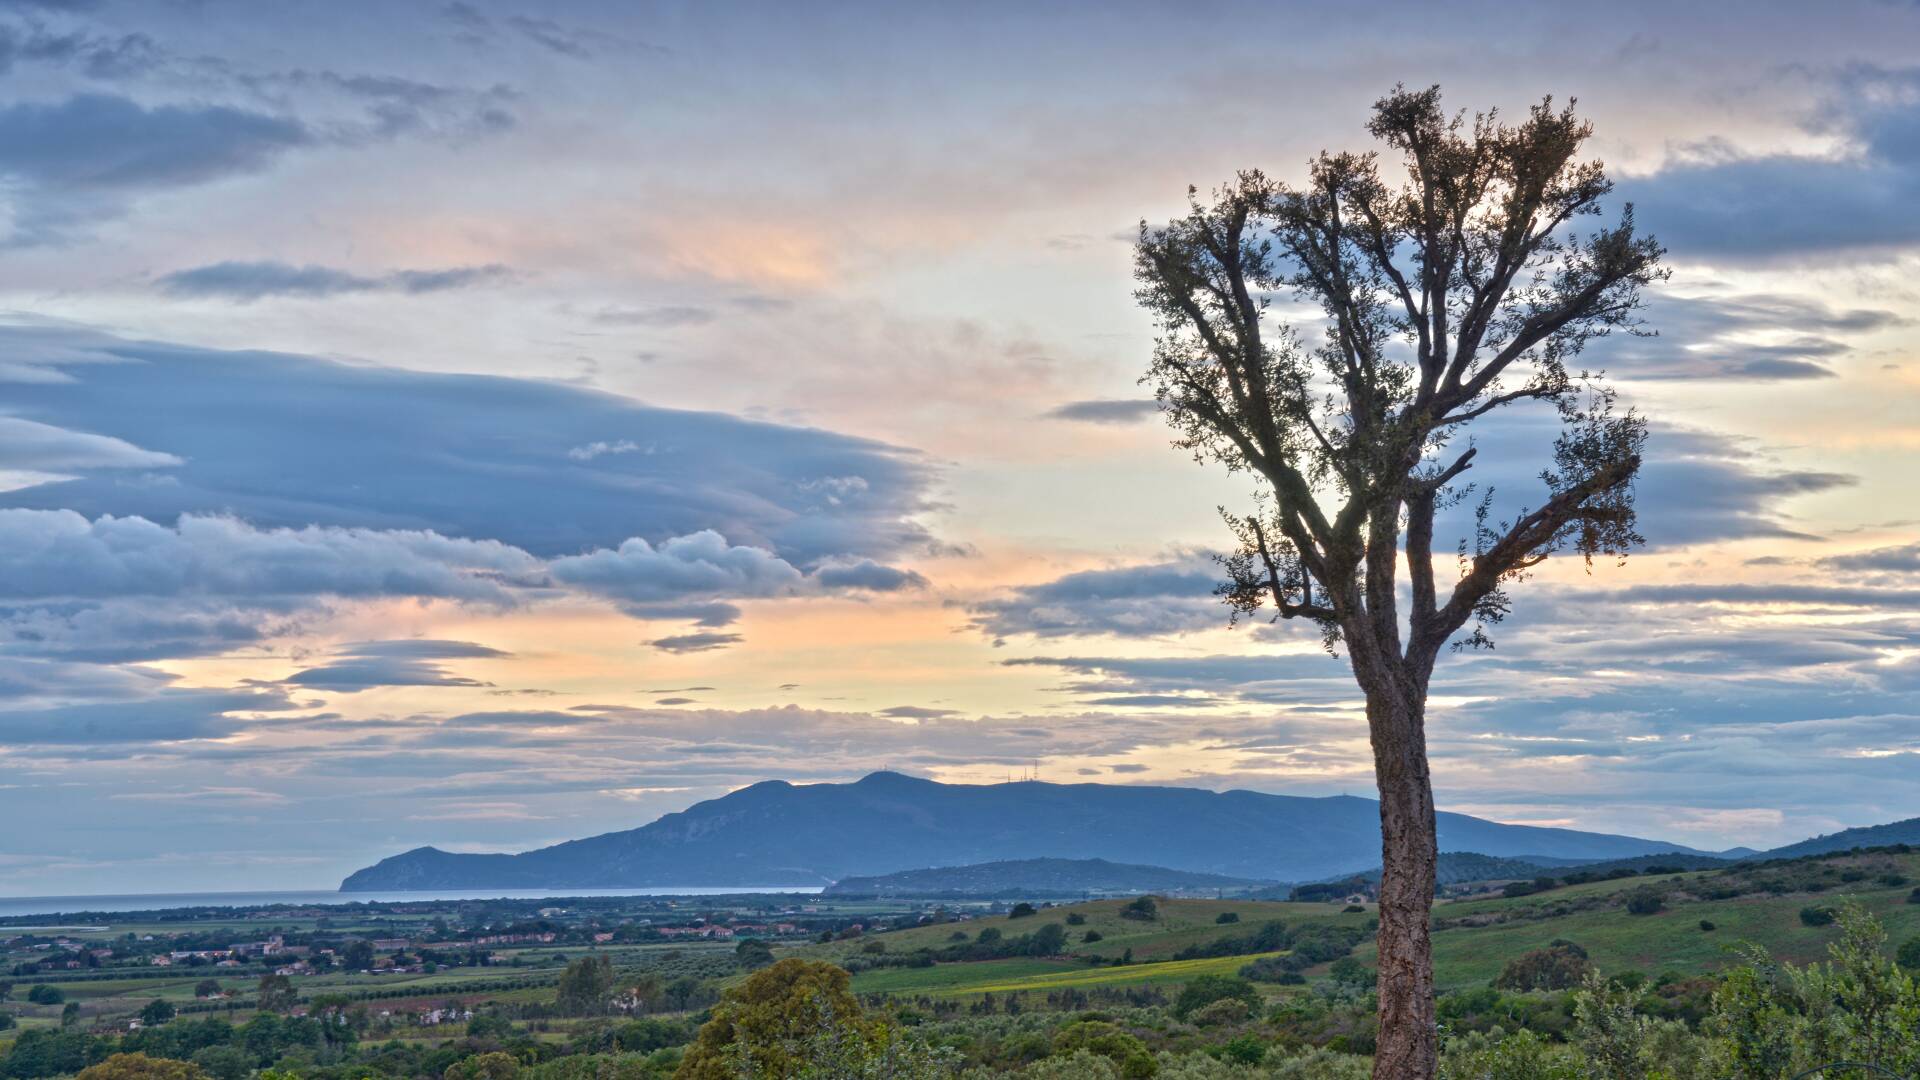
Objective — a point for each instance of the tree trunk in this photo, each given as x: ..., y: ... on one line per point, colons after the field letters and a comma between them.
x: 1408, y: 1046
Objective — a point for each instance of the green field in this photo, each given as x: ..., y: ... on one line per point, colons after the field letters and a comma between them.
x: 1474, y: 940
x: 1669, y: 940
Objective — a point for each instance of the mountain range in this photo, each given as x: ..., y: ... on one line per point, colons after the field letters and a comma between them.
x: 779, y: 834
x: 1042, y: 877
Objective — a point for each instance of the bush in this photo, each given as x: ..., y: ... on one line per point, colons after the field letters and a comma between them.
x: 1914, y: 896
x: 1560, y: 966
x: 1645, y: 900
x: 1226, y: 917
x: 1143, y: 909
x: 1208, y: 989
x: 1816, y: 916
x: 1224, y: 1011
x: 1908, y: 955
x: 141, y: 1067
x: 1708, y: 926
x: 1528, y: 888
x: 752, y: 954
x: 1076, y: 919
x: 1273, y: 969
x: 46, y: 994
x: 1021, y: 910
x: 1091, y: 936
x: 1244, y: 1050
x: 1352, y: 909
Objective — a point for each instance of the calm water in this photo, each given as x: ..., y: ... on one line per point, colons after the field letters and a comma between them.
x: 49, y: 905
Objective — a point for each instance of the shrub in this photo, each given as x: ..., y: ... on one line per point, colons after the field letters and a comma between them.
x: 1226, y: 917
x: 1049, y: 940
x: 46, y: 994
x: 1914, y: 896
x: 1208, y: 989
x: 1105, y: 1039
x: 1224, y: 1011
x: 1708, y: 926
x: 142, y: 1067
x: 1778, y: 1020
x: 1076, y: 919
x: 753, y: 954
x: 764, y: 1024
x: 1645, y: 900
x: 1908, y: 955
x: 1143, y: 909
x: 1021, y: 910
x: 1244, y: 1050
x: 1265, y: 969
x: 1561, y: 966
x: 1816, y: 916
x: 1091, y: 936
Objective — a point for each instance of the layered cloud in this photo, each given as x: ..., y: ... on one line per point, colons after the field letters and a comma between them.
x: 72, y: 162
x: 1144, y: 600
x: 285, y: 441
x: 1719, y: 202
x: 243, y: 282
x: 409, y: 662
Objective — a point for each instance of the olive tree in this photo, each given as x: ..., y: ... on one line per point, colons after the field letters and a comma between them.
x: 1444, y: 298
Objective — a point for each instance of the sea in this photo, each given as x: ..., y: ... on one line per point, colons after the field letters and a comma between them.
x: 54, y: 905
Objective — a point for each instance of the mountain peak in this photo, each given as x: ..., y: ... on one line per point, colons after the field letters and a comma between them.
x: 887, y: 777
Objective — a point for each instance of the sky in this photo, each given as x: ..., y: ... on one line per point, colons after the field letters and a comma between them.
x: 489, y: 424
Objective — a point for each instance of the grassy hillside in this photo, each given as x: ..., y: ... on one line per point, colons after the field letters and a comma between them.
x: 1473, y: 939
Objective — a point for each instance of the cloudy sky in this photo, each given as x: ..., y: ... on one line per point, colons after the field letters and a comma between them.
x: 486, y: 424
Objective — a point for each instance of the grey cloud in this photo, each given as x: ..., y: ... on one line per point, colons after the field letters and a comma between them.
x: 1694, y: 486
x: 666, y: 316
x: 422, y: 649
x: 917, y: 712
x: 1709, y: 337
x: 244, y: 282
x: 103, y: 141
x: 867, y: 575
x: 1145, y: 600
x: 1107, y: 411
x: 554, y: 37
x: 354, y: 674
x: 121, y: 631
x: 96, y: 57
x: 1721, y: 203
x: 1903, y: 559
x: 74, y: 163
x: 365, y: 665
x: 698, y: 642
x: 283, y: 440
x: 46, y: 702
x: 60, y: 554
x: 702, y: 563
x: 27, y: 444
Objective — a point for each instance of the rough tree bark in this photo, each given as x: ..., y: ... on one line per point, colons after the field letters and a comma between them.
x: 1396, y: 723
